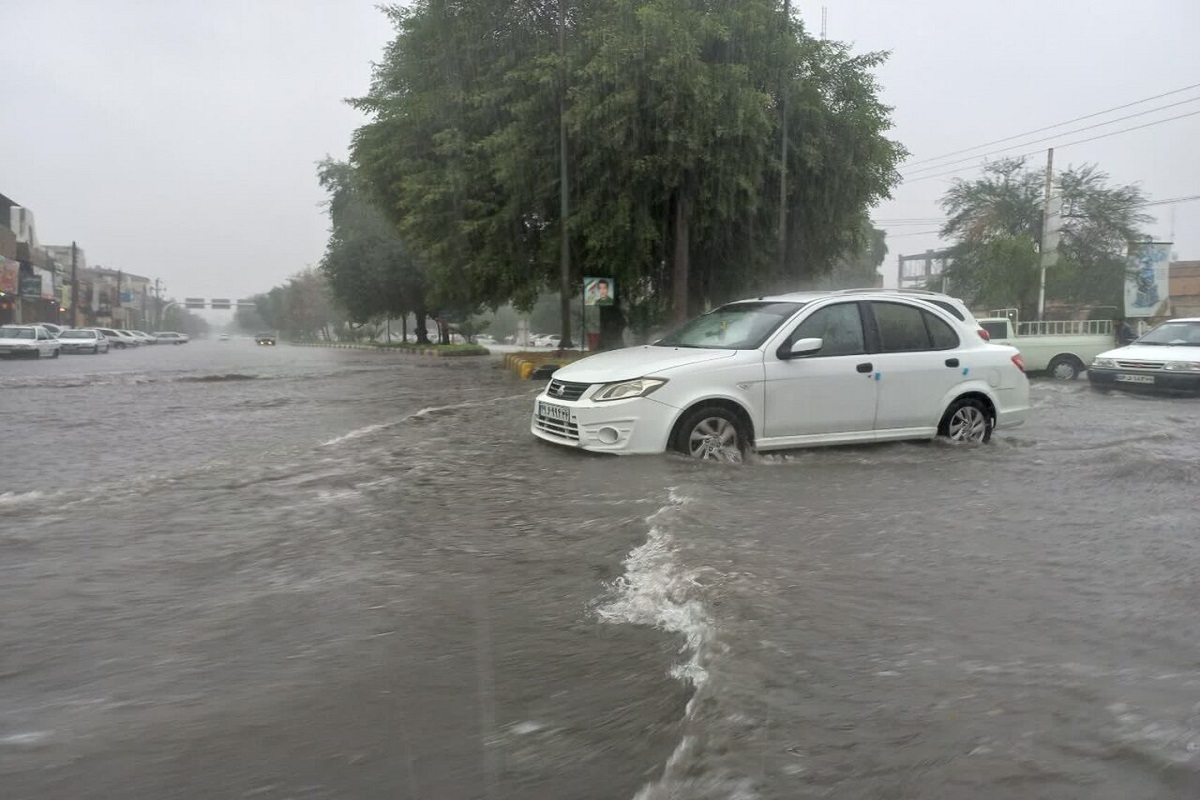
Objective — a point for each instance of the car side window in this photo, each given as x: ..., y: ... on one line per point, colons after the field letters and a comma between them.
x: 838, y: 326
x: 42, y: 334
x: 941, y: 334
x: 901, y: 328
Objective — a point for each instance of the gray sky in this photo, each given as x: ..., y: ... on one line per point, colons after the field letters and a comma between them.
x: 178, y: 139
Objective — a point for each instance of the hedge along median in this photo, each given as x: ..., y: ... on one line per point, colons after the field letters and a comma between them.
x: 436, y: 350
x: 523, y: 365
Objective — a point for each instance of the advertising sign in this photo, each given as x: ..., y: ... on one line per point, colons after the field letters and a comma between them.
x: 599, y: 291
x: 31, y: 286
x: 1146, y: 291
x: 10, y: 272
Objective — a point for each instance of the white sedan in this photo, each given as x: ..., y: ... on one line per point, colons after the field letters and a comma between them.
x: 31, y: 341
x: 1164, y: 361
x: 790, y: 371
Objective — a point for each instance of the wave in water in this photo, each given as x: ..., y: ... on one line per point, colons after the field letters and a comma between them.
x: 658, y: 591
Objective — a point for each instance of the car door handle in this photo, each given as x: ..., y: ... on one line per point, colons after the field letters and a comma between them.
x: 951, y: 362
x: 864, y: 368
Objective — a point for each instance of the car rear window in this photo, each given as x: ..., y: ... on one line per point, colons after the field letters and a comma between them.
x: 948, y: 307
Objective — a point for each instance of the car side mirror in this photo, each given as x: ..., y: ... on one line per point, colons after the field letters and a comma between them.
x: 805, y: 347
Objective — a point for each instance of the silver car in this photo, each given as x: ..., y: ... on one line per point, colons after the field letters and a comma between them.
x: 83, y: 340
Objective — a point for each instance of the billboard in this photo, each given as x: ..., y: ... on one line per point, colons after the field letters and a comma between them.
x: 10, y: 276
x: 1146, y: 290
x: 31, y: 285
x: 599, y: 291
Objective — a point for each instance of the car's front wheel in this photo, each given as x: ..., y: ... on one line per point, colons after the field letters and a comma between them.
x: 712, y: 433
x: 967, y: 420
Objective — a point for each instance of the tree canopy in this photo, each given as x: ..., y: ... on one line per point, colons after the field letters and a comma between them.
x: 371, y: 272
x: 674, y: 115
x: 995, y: 222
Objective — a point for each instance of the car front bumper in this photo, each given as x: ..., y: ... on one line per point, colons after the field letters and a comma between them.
x: 626, y: 427
x: 1147, y: 381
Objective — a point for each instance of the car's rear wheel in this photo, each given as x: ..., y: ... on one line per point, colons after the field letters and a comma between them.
x: 967, y: 420
x: 56, y: 353
x: 1065, y: 368
x: 712, y: 433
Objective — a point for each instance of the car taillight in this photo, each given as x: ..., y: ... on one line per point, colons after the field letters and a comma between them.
x: 1020, y: 362
x: 987, y: 337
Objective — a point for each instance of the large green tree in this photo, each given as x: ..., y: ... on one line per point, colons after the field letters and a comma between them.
x: 995, y: 222
x: 674, y: 112
x: 371, y: 272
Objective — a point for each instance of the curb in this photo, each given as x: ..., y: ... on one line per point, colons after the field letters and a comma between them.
x: 523, y: 365
x: 423, y: 351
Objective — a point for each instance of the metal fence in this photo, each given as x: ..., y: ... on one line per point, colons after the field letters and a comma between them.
x: 1066, y: 327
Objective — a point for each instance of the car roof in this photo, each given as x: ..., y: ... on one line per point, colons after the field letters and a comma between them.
x: 807, y: 297
x: 1185, y: 319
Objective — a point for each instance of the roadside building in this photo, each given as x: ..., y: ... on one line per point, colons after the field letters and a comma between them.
x: 1183, y: 282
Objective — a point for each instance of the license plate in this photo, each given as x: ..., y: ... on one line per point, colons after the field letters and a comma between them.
x: 551, y: 411
x: 1135, y: 378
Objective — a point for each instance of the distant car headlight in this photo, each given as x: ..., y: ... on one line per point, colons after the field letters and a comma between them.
x: 627, y: 389
x: 1183, y: 366
x: 1104, y: 363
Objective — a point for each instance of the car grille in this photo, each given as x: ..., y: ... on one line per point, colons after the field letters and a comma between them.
x: 554, y: 427
x: 1140, y: 364
x: 565, y: 390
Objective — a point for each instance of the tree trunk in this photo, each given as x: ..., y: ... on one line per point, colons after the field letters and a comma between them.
x: 404, y: 327
x: 681, y: 258
x: 422, y: 334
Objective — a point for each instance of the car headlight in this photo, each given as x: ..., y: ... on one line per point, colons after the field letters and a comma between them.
x: 627, y: 389
x: 1104, y: 363
x: 1183, y: 366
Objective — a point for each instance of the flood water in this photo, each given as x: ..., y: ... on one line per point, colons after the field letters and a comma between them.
x: 230, y: 571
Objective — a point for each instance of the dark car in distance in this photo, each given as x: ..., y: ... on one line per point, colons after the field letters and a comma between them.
x: 265, y: 339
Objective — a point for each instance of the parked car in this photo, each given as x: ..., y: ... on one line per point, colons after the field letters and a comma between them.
x: 51, y: 328
x: 119, y: 339
x: 547, y: 340
x: 171, y: 337
x: 83, y: 340
x: 790, y: 371
x: 267, y: 339
x: 30, y: 341
x: 143, y: 337
x: 485, y: 339
x: 224, y: 337
x: 1165, y: 361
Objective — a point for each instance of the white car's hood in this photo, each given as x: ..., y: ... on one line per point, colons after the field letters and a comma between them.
x: 636, y: 362
x: 1154, y: 352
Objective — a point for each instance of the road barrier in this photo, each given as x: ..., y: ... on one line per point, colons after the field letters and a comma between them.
x: 523, y: 365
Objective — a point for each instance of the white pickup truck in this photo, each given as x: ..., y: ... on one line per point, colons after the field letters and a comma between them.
x: 1061, y: 348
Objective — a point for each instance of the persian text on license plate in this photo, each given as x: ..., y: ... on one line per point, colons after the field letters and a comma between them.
x: 551, y: 411
x: 1135, y: 378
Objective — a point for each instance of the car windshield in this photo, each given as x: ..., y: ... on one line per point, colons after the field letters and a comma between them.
x: 77, y: 335
x: 739, y: 326
x: 17, y: 333
x: 1174, y: 334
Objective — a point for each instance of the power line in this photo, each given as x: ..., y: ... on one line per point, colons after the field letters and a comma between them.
x: 1057, y: 125
x: 915, y: 233
x: 1061, y: 146
x: 1064, y: 133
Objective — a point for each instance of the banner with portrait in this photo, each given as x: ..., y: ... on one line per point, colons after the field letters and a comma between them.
x: 1147, y: 293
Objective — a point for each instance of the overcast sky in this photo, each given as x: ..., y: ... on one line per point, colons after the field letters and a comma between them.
x: 178, y: 139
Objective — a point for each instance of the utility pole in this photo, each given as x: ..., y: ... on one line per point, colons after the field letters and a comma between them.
x: 1043, y: 254
x: 74, y: 285
x: 781, y: 245
x: 564, y: 209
